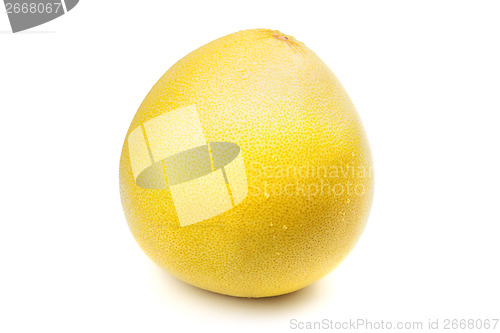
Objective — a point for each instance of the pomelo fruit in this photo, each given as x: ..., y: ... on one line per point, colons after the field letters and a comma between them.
x: 246, y: 170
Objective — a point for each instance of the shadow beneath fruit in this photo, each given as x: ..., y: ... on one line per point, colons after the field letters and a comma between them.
x: 193, y: 298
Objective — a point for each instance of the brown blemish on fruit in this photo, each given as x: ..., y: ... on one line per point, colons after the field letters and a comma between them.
x: 279, y: 36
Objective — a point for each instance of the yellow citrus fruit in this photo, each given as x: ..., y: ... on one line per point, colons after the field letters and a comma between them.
x: 246, y: 170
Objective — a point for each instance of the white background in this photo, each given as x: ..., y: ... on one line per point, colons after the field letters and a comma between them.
x: 424, y: 76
